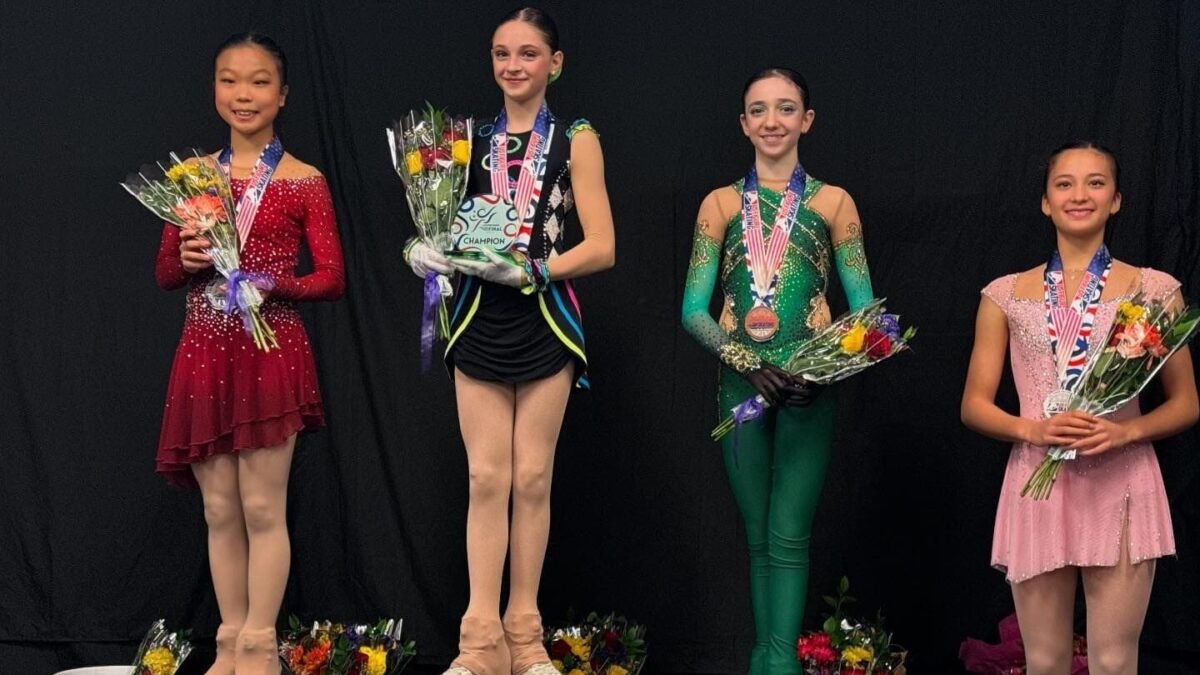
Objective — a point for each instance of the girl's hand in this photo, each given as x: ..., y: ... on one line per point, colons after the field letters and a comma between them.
x: 1106, y: 435
x: 770, y: 382
x: 192, y: 247
x: 800, y: 392
x: 1063, y: 430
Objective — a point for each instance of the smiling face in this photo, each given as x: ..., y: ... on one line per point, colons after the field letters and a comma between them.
x: 248, y: 89
x: 1081, y: 192
x: 774, y: 116
x: 522, y: 61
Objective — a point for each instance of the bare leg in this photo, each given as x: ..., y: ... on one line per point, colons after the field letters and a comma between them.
x: 227, y: 551
x: 263, y: 480
x: 540, y: 406
x: 1045, y: 611
x: 1117, y: 598
x: 485, y: 414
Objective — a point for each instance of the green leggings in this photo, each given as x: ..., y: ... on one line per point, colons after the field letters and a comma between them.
x: 776, y: 480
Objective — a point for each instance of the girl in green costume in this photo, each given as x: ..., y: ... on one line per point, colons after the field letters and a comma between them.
x: 774, y: 300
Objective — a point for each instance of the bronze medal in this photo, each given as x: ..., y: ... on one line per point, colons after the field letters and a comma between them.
x: 761, y: 323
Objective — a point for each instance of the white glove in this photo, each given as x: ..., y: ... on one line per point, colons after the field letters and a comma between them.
x: 497, y: 269
x: 423, y: 259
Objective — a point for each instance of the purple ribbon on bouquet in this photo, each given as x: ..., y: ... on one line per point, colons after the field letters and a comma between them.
x: 746, y: 411
x: 233, y: 299
x: 433, y: 296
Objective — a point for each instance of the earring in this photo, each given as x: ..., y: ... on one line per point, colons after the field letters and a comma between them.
x: 554, y: 76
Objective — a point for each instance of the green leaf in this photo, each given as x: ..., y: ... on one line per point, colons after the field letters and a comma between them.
x: 844, y: 585
x: 830, y: 601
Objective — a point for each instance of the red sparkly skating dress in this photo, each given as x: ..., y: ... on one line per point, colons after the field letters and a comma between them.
x: 225, y: 395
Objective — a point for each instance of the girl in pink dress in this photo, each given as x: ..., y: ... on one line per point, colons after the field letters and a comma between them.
x: 1107, y: 518
x: 233, y: 411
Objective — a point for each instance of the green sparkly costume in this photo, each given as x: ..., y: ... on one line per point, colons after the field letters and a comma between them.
x: 782, y: 457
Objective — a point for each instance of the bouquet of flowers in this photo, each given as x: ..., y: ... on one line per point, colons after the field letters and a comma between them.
x: 856, y: 341
x: 430, y: 151
x: 847, y: 647
x: 194, y: 194
x: 161, y: 653
x: 1008, y: 657
x: 1144, y: 334
x: 343, y: 649
x: 608, y: 645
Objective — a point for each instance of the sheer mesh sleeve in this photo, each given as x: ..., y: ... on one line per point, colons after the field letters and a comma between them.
x: 849, y: 255
x: 328, y: 278
x: 703, y: 272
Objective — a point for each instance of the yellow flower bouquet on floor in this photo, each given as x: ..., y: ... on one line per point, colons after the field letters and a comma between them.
x: 161, y: 653
x: 600, y: 645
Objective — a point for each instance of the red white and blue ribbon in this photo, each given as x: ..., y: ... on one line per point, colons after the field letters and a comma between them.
x: 533, y: 170
x: 256, y: 185
x: 764, y: 259
x: 1070, y: 325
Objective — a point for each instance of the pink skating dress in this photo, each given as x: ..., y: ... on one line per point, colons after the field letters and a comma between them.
x: 1080, y: 524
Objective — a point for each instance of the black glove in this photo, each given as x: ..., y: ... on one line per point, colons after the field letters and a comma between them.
x: 800, y: 392
x: 770, y: 382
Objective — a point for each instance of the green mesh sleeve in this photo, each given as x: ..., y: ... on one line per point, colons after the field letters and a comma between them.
x: 703, y: 271
x: 851, y: 260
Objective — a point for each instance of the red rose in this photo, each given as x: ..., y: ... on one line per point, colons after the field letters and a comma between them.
x: 878, y: 344
x: 611, y: 639
x: 1116, y: 338
x: 559, y: 649
x: 426, y: 157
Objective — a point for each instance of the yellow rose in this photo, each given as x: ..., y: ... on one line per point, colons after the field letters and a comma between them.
x: 159, y: 661
x: 461, y: 152
x: 413, y: 159
x: 857, y: 655
x: 376, y: 659
x: 575, y: 672
x: 617, y: 670
x: 558, y: 665
x: 852, y: 342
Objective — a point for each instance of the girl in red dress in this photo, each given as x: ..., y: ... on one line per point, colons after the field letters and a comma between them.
x: 232, y: 410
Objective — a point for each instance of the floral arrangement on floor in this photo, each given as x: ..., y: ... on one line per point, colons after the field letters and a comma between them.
x: 345, y: 649
x: 1008, y: 657
x: 600, y: 645
x: 845, y: 646
x: 161, y: 653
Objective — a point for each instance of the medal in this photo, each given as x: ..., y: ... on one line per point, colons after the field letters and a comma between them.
x: 533, y: 170
x: 762, y: 323
x: 1070, y: 325
x: 246, y: 208
x: 1057, y: 402
x: 256, y: 185
x: 763, y: 260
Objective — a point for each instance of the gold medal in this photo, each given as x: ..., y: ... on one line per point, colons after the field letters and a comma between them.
x: 761, y: 323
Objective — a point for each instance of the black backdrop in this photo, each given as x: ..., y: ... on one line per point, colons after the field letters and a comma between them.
x: 934, y: 115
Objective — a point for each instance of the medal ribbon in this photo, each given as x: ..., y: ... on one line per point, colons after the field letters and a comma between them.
x: 1071, y: 325
x: 763, y: 260
x: 256, y: 185
x: 533, y: 170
